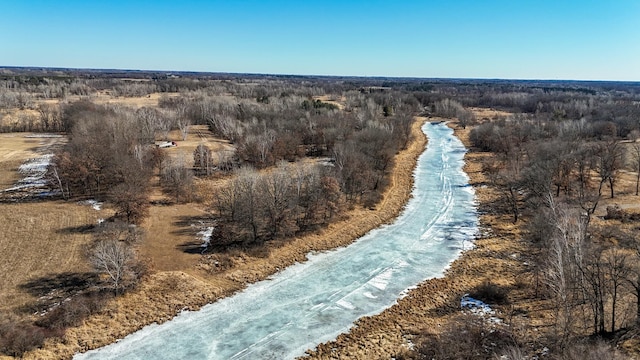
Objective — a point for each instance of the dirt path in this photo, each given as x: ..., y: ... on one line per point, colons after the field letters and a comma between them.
x: 167, y: 237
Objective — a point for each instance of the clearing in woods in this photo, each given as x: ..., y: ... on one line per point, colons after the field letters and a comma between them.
x: 43, y: 243
x: 16, y: 149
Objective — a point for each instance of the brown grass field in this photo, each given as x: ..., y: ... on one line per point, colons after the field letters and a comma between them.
x: 14, y: 115
x: 330, y: 100
x: 15, y: 149
x: 40, y: 241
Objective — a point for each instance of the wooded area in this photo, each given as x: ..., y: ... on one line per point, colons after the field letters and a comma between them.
x: 305, y: 149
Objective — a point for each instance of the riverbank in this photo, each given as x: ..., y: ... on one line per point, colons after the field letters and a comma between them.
x: 497, y: 257
x: 165, y: 294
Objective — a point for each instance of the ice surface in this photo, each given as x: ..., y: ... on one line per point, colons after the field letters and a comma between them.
x: 313, y: 302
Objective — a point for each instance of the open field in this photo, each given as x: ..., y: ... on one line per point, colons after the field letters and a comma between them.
x: 15, y: 115
x: 198, y: 134
x: 339, y: 102
x: 41, y: 243
x: 484, y: 114
x: 150, y: 100
x: 17, y: 148
x: 169, y: 230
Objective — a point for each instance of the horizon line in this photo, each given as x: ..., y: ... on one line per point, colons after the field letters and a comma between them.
x: 195, y: 72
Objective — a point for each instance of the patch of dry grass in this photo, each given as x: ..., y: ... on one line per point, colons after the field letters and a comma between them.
x: 484, y: 114
x: 330, y: 99
x: 198, y: 134
x: 38, y: 241
x: 15, y: 149
x: 169, y: 235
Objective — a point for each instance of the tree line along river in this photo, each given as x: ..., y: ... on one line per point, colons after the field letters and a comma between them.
x: 310, y: 303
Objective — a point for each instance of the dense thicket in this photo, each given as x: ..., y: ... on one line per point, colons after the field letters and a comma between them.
x: 107, y: 157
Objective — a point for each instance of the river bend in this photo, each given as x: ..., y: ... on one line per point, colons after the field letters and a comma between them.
x: 310, y: 303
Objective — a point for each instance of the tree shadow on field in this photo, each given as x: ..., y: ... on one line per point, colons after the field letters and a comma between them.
x: 190, y: 226
x: 192, y: 247
x: 53, y: 289
x: 450, y: 305
x: 80, y: 229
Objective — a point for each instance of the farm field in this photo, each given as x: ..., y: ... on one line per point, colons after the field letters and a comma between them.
x: 43, y: 248
x: 17, y: 148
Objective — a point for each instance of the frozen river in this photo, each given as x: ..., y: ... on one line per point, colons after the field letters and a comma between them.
x: 313, y: 302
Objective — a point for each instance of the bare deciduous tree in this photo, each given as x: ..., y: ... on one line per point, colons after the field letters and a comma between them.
x: 563, y: 264
x: 276, y: 189
x: 131, y: 201
x: 115, y: 259
x: 609, y: 159
x: 177, y: 179
x: 183, y: 121
x: 202, y: 160
x: 617, y: 269
x: 635, y: 157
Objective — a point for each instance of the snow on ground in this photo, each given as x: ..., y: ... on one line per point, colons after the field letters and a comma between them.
x: 479, y: 308
x: 475, y: 306
x: 41, y: 136
x: 33, y: 172
x: 96, y: 205
x: 205, y: 236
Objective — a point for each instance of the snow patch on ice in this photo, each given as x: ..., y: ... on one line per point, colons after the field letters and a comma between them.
x: 369, y: 295
x: 381, y: 280
x: 345, y: 304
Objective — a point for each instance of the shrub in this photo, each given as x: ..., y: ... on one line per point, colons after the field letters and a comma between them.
x: 18, y: 337
x: 72, y: 312
x: 491, y: 294
x: 466, y: 337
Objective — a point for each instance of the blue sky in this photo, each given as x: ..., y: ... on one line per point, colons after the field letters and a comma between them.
x: 517, y: 39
